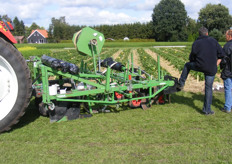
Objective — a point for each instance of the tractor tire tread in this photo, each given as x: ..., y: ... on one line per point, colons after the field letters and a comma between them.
x: 23, y: 96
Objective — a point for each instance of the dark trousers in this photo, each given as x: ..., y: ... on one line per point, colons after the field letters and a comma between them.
x: 208, y: 85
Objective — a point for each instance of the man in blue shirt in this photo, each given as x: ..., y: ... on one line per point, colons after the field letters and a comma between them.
x: 205, y: 56
x: 226, y: 75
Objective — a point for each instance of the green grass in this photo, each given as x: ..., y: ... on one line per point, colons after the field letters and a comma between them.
x: 144, y: 44
x: 125, y: 44
x: 170, y: 133
x: 48, y: 45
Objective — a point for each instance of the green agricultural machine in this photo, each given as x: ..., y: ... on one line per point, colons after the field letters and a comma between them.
x: 65, y: 91
x: 100, y: 89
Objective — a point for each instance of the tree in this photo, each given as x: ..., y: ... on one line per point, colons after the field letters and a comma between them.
x: 59, y: 30
x: 5, y: 17
x: 33, y: 26
x: 22, y: 28
x: 215, y: 17
x: 169, y: 20
x: 119, y: 31
x: 192, y: 29
x: 19, y: 28
x: 216, y: 34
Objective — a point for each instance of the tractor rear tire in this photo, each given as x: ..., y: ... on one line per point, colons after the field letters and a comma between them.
x: 15, y: 85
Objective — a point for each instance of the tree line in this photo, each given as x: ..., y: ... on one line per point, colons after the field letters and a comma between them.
x: 170, y: 22
x: 60, y: 30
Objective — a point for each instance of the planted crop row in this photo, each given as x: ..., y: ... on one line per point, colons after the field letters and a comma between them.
x: 68, y: 55
x: 34, y: 52
x: 148, y: 63
x: 105, y: 53
x: 110, y: 52
x: 177, y: 57
x: 172, y: 56
x: 73, y: 56
x: 123, y: 56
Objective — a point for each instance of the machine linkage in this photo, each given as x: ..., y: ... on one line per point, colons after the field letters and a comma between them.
x: 78, y: 89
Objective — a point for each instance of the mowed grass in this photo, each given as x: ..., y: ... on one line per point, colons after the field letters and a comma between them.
x: 123, y: 44
x: 170, y: 133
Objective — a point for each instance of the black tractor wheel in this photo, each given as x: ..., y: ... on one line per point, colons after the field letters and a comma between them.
x: 15, y: 85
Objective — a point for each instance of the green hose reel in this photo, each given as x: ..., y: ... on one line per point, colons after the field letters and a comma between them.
x: 88, y: 41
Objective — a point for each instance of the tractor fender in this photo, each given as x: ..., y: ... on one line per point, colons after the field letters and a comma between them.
x: 5, y: 31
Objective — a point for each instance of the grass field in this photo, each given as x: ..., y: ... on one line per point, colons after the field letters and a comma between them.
x: 111, y: 44
x: 171, y: 133
x: 108, y: 44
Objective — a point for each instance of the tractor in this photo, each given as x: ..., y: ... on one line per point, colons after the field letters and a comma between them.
x: 75, y: 88
x: 15, y: 80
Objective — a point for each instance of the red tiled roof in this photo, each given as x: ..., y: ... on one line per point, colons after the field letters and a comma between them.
x: 42, y: 32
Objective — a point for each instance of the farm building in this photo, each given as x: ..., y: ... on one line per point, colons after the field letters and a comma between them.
x: 19, y: 39
x: 38, y: 36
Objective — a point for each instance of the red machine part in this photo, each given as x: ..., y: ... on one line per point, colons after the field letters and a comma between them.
x: 118, y: 96
x: 5, y: 30
x: 135, y: 103
x: 161, y: 99
x: 10, y: 26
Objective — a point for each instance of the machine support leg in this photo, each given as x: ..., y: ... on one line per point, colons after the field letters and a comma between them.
x: 158, y: 63
x: 132, y: 63
x: 108, y: 79
x: 46, y: 98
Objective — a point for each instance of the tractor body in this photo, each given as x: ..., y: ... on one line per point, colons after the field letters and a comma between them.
x: 5, y: 28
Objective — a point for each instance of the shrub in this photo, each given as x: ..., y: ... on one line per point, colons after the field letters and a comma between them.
x: 216, y: 34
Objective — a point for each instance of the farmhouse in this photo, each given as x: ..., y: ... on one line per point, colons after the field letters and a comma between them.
x: 38, y: 36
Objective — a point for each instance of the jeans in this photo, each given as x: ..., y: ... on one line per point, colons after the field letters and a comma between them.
x: 187, y: 67
x: 208, y: 85
x: 228, y: 94
x: 208, y: 93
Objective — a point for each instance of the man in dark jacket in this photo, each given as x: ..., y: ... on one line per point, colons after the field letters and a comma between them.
x: 204, y: 57
x: 226, y: 75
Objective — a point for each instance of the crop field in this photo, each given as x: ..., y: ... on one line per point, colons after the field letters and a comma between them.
x: 175, y: 132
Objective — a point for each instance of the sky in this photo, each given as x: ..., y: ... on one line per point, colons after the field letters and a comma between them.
x: 93, y: 12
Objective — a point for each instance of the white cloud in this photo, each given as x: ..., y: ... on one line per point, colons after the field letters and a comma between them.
x: 81, y: 3
x: 147, y: 5
x: 23, y: 9
x: 121, y: 4
x: 92, y: 16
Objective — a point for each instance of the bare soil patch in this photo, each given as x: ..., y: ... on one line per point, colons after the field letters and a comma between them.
x: 136, y: 59
x: 115, y: 55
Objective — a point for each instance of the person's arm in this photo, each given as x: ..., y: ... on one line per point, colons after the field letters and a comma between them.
x: 220, y: 52
x: 192, y: 56
x: 219, y: 61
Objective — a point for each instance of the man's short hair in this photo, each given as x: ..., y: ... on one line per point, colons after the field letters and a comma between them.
x: 229, y: 32
x: 203, y: 31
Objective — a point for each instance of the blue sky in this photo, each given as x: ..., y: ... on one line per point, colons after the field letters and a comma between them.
x: 93, y: 12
